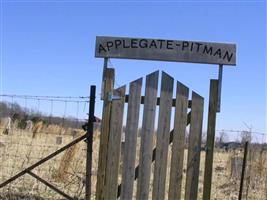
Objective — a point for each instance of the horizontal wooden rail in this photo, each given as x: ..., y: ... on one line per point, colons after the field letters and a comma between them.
x: 153, y: 155
x: 158, y: 101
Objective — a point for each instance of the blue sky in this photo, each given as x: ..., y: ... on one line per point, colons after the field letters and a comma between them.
x: 48, y: 49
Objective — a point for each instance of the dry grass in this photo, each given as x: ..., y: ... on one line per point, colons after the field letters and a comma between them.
x: 19, y: 150
x: 67, y: 170
x: 62, y: 173
x: 37, y: 128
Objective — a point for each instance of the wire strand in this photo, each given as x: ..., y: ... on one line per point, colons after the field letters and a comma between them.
x: 49, y: 98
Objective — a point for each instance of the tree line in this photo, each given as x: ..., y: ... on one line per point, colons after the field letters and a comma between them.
x: 22, y: 115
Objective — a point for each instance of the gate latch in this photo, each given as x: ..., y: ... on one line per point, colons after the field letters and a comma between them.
x: 112, y: 97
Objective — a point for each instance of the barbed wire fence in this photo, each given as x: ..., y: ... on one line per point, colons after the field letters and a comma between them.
x: 58, y: 121
x: 237, y: 135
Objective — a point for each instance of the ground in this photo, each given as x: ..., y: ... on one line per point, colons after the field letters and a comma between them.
x: 67, y: 170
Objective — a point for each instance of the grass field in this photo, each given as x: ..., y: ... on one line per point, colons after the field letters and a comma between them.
x: 67, y: 170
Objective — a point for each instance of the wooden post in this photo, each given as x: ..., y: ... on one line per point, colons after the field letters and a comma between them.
x: 89, y: 138
x: 103, y: 78
x: 219, y: 88
x: 243, y: 171
x: 213, y: 99
x: 104, y: 136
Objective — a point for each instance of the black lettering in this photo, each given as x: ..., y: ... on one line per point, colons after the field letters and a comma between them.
x: 134, y: 43
x: 124, y: 44
x: 206, y: 50
x: 117, y: 43
x: 192, y: 46
x: 169, y: 44
x: 185, y: 44
x: 198, y: 45
x: 229, y: 57
x: 143, y: 43
x: 160, y: 43
x: 218, y: 52
x: 153, y: 44
x: 101, y: 48
x: 109, y: 45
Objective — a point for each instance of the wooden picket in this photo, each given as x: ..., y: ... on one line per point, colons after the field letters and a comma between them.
x: 131, y: 139
x: 177, y: 159
x: 163, y: 137
x: 194, y: 147
x: 147, y: 133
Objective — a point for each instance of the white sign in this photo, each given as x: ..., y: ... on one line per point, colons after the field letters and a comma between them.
x: 165, y: 50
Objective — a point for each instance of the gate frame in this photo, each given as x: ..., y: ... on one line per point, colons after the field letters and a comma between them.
x: 214, y: 107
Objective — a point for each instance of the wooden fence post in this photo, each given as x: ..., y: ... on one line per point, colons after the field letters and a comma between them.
x: 103, y: 78
x: 213, y: 100
x: 104, y: 136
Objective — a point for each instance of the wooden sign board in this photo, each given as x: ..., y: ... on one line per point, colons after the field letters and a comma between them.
x: 165, y: 50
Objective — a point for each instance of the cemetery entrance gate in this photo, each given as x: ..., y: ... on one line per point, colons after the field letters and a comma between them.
x: 146, y: 158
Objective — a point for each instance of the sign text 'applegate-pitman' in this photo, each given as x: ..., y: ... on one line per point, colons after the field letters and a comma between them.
x: 165, y: 50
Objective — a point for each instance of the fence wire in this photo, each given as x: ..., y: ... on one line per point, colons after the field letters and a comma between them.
x: 21, y: 147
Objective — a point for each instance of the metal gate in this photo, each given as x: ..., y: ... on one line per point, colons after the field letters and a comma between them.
x: 87, y: 137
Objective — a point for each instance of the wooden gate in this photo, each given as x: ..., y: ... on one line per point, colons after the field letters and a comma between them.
x: 116, y: 173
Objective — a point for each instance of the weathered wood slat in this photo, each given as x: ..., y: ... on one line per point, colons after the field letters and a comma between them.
x: 128, y: 172
x: 104, y: 136
x: 154, y: 153
x: 163, y: 137
x: 213, y: 100
x: 147, y: 133
x: 114, y: 145
x: 177, y: 158
x: 194, y: 147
